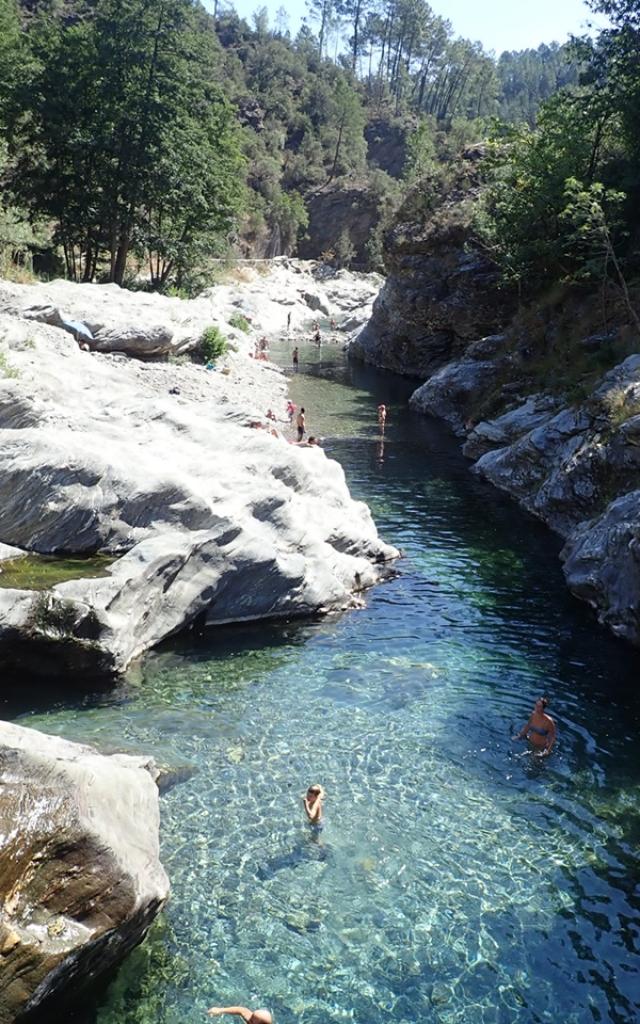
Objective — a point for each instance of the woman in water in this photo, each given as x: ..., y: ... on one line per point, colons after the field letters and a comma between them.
x: 540, y: 730
x: 312, y: 801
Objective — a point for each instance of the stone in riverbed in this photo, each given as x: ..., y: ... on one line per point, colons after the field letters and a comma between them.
x: 80, y: 875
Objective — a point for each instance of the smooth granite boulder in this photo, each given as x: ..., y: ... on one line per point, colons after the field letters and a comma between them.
x: 175, y: 471
x: 80, y: 875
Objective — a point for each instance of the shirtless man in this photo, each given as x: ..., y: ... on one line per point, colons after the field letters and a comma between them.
x: 540, y: 730
x: 300, y: 424
x: 249, y: 1016
x: 382, y: 415
x: 294, y: 358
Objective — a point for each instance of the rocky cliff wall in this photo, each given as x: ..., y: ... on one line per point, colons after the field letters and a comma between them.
x: 572, y: 462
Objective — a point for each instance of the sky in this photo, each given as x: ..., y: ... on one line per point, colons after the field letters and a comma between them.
x: 498, y: 24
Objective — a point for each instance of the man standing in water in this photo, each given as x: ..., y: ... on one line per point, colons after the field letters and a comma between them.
x: 382, y: 416
x: 249, y: 1016
x: 294, y: 358
x: 300, y: 424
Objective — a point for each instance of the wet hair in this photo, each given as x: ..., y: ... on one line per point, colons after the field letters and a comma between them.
x: 544, y: 701
x: 316, y: 789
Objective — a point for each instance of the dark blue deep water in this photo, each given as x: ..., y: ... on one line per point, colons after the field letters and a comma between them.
x: 458, y: 880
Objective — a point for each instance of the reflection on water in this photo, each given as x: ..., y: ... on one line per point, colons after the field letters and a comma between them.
x: 457, y: 880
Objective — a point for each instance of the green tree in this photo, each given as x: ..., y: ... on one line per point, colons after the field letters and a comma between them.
x: 127, y: 142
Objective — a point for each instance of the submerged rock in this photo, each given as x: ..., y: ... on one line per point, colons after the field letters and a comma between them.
x: 80, y: 875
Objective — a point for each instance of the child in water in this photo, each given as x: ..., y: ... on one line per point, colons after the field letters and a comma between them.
x: 312, y: 801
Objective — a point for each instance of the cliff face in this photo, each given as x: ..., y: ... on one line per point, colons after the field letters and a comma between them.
x: 441, y: 291
x: 575, y: 464
x: 338, y: 213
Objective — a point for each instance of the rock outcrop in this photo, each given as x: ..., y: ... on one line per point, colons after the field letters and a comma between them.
x: 80, y: 875
x: 575, y: 466
x: 172, y: 469
x: 338, y: 215
x: 441, y: 291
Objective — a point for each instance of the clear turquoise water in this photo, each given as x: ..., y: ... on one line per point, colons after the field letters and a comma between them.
x: 457, y: 880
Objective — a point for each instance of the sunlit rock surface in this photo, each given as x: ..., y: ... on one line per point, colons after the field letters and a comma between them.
x: 80, y: 875
x: 175, y: 469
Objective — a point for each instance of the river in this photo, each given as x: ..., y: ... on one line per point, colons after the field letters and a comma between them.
x: 458, y: 880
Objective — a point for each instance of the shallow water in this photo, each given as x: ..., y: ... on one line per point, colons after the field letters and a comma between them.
x: 457, y: 880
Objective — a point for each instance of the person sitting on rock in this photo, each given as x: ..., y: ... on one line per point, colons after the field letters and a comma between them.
x: 249, y: 1016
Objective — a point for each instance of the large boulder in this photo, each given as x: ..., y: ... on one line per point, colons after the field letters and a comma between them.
x: 452, y: 392
x: 442, y: 291
x: 80, y: 875
x: 175, y: 471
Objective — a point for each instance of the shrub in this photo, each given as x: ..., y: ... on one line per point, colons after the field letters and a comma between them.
x: 240, y: 322
x: 213, y: 343
x: 6, y: 370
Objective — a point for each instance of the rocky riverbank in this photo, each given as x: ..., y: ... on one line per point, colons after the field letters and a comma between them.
x: 171, y: 468
x: 80, y: 875
x: 538, y: 418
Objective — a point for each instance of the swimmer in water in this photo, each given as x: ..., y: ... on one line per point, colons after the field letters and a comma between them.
x: 312, y: 801
x: 249, y: 1016
x: 539, y: 730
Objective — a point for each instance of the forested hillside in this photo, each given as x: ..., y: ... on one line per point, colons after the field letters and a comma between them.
x: 148, y: 137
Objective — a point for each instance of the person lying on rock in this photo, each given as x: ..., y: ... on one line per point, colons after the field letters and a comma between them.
x: 250, y: 1016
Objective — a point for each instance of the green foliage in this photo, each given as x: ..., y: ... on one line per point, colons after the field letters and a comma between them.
x: 213, y: 344
x: 344, y: 250
x: 125, y: 141
x: 148, y: 133
x: 6, y: 369
x: 531, y: 77
x: 240, y: 322
x: 421, y: 150
x: 522, y: 218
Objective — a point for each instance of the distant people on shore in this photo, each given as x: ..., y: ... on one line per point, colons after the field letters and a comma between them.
x: 313, y: 800
x: 540, y: 729
x: 301, y: 424
x: 249, y: 1016
x: 271, y: 415
x: 382, y: 416
x: 295, y: 358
